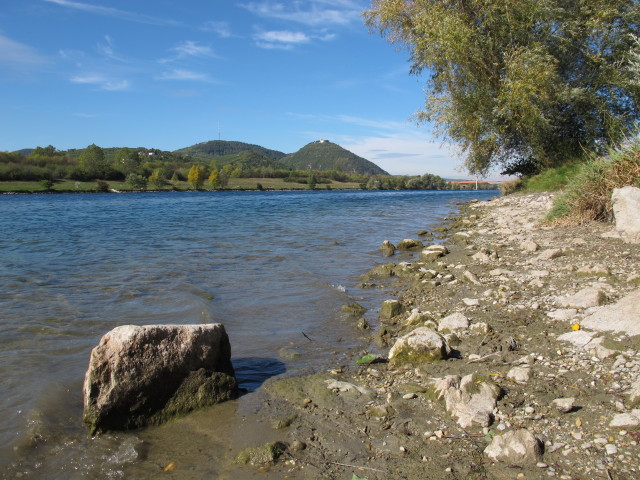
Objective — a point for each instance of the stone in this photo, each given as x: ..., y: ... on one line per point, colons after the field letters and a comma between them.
x: 550, y: 254
x: 454, y: 322
x: 626, y: 210
x: 585, y: 298
x: 562, y: 313
x: 471, y: 398
x: 410, y: 244
x: 529, y: 246
x: 626, y: 420
x: 387, y: 248
x: 390, y: 308
x: 597, y: 270
x: 518, y: 446
x: 564, y: 405
x: 471, y: 277
x: 141, y: 375
x: 341, y: 386
x: 578, y: 338
x: 471, y: 302
x: 622, y: 316
x: 519, y: 374
x: 419, y: 346
x: 263, y: 455
x: 481, y: 257
x: 634, y: 392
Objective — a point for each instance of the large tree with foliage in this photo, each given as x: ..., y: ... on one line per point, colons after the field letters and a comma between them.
x: 93, y: 162
x: 196, y: 176
x: 520, y: 84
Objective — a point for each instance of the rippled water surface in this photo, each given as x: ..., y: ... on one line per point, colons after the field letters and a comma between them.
x: 268, y: 265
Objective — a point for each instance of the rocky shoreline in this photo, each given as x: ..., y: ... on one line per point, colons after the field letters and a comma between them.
x: 526, y: 383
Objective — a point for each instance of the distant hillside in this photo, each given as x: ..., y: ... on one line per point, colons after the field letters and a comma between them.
x: 206, y: 151
x: 324, y: 155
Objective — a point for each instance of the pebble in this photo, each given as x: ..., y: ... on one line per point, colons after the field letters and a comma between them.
x: 611, y: 449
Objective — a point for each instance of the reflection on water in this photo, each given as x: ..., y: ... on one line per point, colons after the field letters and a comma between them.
x: 273, y: 267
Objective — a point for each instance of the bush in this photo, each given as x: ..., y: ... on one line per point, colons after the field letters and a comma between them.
x: 102, y: 186
x: 588, y: 196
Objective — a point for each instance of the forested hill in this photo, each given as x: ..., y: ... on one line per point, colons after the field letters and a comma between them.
x: 206, y: 151
x: 324, y: 155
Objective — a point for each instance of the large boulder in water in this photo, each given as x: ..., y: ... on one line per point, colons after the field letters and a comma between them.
x: 141, y: 375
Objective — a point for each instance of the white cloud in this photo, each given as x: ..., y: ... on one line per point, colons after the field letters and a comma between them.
x: 181, y: 74
x: 101, y: 81
x: 193, y: 49
x: 115, y: 13
x: 280, y: 39
x: 313, y: 13
x: 222, y: 29
x: 19, y: 56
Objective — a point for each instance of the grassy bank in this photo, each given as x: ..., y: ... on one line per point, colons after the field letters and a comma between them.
x: 585, y: 188
x: 121, y: 186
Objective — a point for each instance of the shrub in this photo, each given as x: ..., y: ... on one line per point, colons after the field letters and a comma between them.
x: 102, y: 186
x: 588, y: 196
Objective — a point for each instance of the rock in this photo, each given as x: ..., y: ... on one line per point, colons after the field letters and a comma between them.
x: 578, y: 338
x: 419, y: 346
x: 623, y: 316
x: 519, y: 374
x: 471, y: 398
x: 564, y: 405
x: 262, y: 456
x: 410, y: 244
x: 585, y: 298
x: 141, y: 375
x: 597, y: 270
x: 529, y: 246
x: 634, y: 392
x: 471, y: 277
x: 519, y: 446
x: 550, y: 254
x: 454, y: 322
x: 387, y: 248
x: 471, y: 302
x: 390, y: 308
x: 562, y: 313
x: 346, y: 387
x: 626, y: 420
x: 481, y: 257
x: 626, y: 210
x: 433, y: 252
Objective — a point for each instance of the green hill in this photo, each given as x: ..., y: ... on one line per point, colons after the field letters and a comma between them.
x: 206, y: 151
x: 324, y: 155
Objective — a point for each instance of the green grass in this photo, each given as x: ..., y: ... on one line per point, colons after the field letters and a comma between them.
x: 234, y: 184
x: 552, y: 179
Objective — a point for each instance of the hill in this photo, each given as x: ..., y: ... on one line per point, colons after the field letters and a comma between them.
x: 206, y: 151
x: 324, y: 155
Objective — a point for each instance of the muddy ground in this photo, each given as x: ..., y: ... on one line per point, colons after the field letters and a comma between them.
x: 508, y: 274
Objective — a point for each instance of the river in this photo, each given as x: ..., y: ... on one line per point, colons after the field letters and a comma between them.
x: 273, y: 267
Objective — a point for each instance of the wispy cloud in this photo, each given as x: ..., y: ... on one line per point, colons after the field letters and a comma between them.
x: 280, y: 39
x: 181, y: 75
x: 222, y: 29
x: 116, y: 13
x: 19, y: 56
x: 101, y: 81
x: 313, y: 13
x: 193, y: 49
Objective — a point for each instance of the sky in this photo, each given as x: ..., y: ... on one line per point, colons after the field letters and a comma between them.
x: 168, y: 74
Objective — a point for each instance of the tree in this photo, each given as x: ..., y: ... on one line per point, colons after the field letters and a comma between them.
x: 127, y: 161
x: 137, y: 182
x: 156, y: 179
x: 520, y: 84
x: 92, y: 162
x: 214, y: 178
x: 195, y: 177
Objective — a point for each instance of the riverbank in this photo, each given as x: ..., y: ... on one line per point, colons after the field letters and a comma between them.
x: 513, y: 298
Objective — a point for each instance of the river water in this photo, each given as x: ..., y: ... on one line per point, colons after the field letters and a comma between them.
x: 273, y: 267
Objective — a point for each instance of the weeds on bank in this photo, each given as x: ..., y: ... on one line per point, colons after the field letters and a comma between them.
x: 587, y: 197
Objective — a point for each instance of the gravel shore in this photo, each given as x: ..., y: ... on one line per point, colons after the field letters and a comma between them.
x: 537, y: 373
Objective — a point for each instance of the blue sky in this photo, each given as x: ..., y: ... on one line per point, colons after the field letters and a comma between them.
x: 171, y: 73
